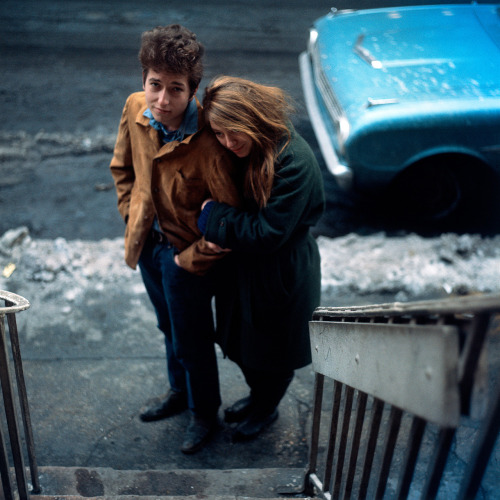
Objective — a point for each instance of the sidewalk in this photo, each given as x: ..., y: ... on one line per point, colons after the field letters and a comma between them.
x: 92, y: 363
x: 93, y: 358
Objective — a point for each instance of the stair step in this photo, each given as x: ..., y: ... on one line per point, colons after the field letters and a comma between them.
x: 106, y: 483
x: 149, y: 497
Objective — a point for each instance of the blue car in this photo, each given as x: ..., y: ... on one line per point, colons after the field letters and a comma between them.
x: 405, y: 102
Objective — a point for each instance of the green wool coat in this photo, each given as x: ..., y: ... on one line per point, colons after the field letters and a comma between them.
x: 272, y: 277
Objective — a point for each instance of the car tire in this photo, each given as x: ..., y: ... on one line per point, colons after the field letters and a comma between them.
x: 426, y: 192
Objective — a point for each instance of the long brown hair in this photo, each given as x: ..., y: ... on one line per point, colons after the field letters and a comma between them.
x: 259, y: 111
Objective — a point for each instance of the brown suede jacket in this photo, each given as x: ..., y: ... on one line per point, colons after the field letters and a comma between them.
x: 170, y: 181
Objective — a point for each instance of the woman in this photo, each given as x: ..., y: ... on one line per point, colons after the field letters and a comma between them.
x: 272, y: 280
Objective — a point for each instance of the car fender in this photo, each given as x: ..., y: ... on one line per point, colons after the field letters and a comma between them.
x: 451, y: 150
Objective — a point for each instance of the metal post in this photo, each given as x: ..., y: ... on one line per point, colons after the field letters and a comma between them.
x: 4, y: 471
x: 13, y: 304
x: 482, y: 450
x: 23, y: 399
x: 10, y: 413
x: 310, y: 474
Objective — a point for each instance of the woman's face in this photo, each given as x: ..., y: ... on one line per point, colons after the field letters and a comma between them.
x: 237, y: 142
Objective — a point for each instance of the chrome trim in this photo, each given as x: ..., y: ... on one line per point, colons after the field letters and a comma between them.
x: 337, y: 12
x: 491, y: 149
x: 380, y: 102
x: 332, y: 105
x: 341, y: 172
x: 365, y: 54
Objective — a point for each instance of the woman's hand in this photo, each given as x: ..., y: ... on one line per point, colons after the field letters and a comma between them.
x: 213, y: 246
x: 205, y: 202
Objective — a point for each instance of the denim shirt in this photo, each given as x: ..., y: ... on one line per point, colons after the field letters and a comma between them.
x: 188, y: 126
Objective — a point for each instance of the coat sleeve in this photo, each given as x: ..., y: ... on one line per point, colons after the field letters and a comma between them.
x: 198, y: 258
x: 122, y: 169
x: 296, y: 201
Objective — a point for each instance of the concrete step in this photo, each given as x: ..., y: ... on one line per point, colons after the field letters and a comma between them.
x: 148, y: 497
x: 106, y: 483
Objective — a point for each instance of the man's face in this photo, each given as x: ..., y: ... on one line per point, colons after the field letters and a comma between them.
x: 167, y: 96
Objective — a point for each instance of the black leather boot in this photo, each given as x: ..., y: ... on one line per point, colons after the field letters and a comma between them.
x: 172, y: 404
x: 254, y: 424
x: 239, y: 410
x: 198, y: 434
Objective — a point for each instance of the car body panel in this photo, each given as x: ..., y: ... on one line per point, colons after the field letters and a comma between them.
x: 406, y: 83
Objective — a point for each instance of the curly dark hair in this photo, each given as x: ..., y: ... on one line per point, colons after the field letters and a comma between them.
x: 172, y: 49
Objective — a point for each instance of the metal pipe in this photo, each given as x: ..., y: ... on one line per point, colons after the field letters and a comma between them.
x: 13, y: 304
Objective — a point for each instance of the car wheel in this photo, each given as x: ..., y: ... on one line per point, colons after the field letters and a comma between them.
x: 426, y: 192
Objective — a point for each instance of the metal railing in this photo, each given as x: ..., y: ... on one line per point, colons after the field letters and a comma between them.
x: 402, y: 380
x: 13, y: 304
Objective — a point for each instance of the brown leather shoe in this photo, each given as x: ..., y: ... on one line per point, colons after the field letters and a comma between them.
x: 174, y: 403
x: 198, y: 434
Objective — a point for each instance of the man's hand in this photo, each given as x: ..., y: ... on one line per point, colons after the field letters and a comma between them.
x: 216, y: 248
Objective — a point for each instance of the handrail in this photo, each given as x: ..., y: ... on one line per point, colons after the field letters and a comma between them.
x: 14, y: 304
x: 420, y: 360
x: 456, y: 305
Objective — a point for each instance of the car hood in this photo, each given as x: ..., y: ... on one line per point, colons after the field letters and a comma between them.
x: 410, y: 54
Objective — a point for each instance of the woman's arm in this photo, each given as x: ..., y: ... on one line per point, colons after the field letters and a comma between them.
x: 297, y: 200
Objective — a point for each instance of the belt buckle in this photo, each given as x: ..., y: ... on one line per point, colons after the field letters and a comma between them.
x: 156, y: 236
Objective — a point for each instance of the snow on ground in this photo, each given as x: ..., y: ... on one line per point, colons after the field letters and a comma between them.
x: 401, y: 268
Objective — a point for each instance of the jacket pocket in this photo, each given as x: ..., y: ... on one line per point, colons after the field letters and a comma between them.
x: 189, y: 192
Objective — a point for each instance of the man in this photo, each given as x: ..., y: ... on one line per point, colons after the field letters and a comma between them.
x: 164, y: 166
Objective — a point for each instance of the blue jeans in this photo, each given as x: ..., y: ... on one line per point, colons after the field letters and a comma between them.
x: 183, y: 307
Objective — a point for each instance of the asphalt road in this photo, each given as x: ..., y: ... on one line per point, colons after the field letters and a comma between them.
x: 67, y: 68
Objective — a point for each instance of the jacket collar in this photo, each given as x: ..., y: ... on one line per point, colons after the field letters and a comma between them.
x: 142, y: 120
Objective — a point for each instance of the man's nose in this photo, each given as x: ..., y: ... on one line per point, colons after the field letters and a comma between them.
x: 163, y: 97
